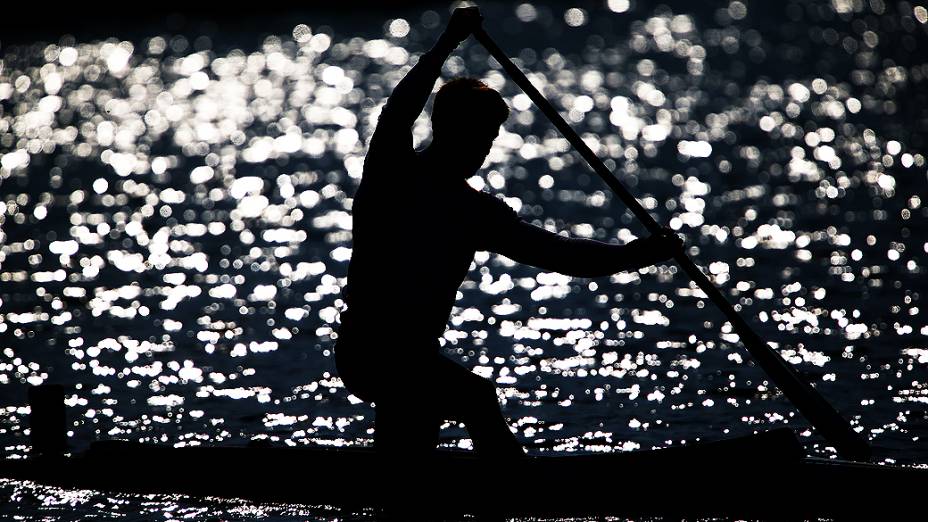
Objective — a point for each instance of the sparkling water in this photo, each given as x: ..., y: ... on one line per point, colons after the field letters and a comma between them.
x: 177, y: 228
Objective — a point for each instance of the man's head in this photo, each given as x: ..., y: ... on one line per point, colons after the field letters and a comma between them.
x: 466, y: 116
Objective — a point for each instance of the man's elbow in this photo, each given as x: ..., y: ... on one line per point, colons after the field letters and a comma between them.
x: 585, y: 270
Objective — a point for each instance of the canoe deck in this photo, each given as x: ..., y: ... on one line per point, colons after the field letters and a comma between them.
x: 761, y: 475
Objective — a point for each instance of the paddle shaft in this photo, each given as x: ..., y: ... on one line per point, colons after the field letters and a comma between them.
x: 810, y: 403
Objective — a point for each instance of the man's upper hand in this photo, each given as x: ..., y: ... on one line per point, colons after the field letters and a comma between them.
x: 664, y: 245
x: 464, y: 20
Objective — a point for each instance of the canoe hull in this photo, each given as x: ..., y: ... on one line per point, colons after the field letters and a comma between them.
x: 762, y: 475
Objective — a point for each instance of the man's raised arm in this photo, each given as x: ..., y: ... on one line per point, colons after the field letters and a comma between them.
x: 409, y: 96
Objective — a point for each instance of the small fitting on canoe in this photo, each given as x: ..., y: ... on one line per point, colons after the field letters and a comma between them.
x: 47, y: 430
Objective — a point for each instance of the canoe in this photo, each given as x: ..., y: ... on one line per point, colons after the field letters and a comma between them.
x: 763, y: 475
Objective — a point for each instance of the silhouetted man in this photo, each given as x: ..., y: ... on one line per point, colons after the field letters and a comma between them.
x: 417, y: 225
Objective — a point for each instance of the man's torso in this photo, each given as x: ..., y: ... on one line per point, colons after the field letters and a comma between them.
x: 414, y: 237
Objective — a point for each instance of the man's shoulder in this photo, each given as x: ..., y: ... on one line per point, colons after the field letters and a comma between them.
x: 384, y: 147
x: 384, y: 164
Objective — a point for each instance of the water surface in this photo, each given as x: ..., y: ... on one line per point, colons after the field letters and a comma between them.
x: 177, y: 230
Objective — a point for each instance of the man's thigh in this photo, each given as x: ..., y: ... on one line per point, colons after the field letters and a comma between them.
x: 462, y: 392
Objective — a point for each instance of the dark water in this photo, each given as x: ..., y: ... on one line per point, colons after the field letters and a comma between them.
x: 177, y: 230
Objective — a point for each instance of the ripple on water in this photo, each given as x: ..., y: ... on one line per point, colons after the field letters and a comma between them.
x: 177, y: 226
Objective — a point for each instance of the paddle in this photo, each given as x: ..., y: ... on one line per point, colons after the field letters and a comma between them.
x: 810, y: 403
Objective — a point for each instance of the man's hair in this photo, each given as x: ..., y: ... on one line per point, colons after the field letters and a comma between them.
x: 465, y: 105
